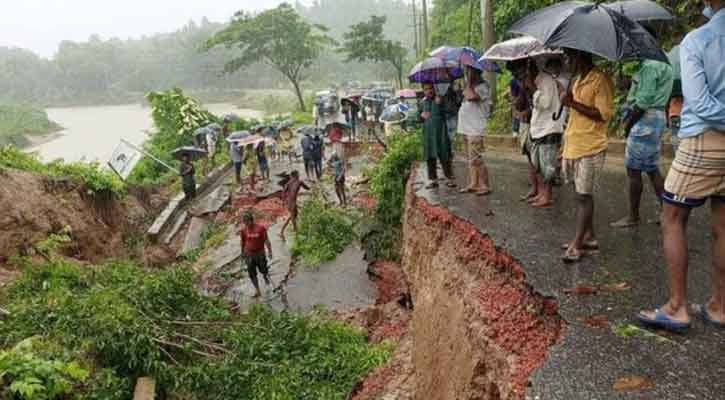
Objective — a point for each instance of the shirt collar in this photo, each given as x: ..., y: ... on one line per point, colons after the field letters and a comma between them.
x: 718, y: 15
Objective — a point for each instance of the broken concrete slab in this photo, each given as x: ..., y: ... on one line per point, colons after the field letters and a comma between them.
x: 145, y: 389
x: 162, y: 221
x: 194, y: 235
x: 175, y: 229
x: 220, y: 257
x: 213, y: 202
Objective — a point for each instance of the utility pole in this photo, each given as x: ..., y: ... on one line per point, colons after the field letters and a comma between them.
x: 415, y: 29
x: 425, y: 26
x: 488, y: 39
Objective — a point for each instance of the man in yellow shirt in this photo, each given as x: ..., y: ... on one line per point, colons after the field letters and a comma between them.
x: 591, y: 101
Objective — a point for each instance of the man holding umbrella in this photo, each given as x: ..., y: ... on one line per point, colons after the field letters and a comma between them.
x: 591, y: 101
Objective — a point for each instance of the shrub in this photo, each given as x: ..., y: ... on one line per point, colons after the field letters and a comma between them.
x: 18, y: 121
x: 324, y: 232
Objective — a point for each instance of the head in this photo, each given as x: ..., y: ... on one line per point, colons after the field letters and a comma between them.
x: 711, y: 7
x: 428, y: 90
x: 334, y: 156
x: 248, y: 218
x: 579, y: 61
x: 554, y: 66
x: 250, y: 147
x: 295, y: 174
x: 473, y: 75
x: 185, y: 158
x: 517, y: 68
x: 260, y: 146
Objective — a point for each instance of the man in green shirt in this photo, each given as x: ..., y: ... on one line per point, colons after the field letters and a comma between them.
x: 644, y: 126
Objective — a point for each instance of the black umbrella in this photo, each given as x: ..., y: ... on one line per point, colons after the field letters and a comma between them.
x: 593, y: 28
x: 641, y: 10
x: 194, y: 153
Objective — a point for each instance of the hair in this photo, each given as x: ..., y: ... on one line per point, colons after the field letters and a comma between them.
x: 474, y: 75
x: 295, y: 174
x: 553, y: 61
x: 248, y: 216
x: 428, y: 86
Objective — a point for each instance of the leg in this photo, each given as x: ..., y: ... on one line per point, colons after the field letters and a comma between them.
x: 584, y: 221
x: 432, y: 173
x: 634, y: 177
x: 658, y: 183
x: 252, y: 272
x: 716, y: 306
x: 534, y: 182
x: 484, y: 182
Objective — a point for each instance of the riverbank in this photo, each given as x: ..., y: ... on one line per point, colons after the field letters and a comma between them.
x: 24, y: 126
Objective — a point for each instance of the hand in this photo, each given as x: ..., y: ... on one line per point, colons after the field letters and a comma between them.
x: 425, y: 114
x: 438, y: 100
x: 567, y: 99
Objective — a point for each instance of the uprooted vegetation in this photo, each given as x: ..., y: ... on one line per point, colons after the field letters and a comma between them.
x: 111, y: 323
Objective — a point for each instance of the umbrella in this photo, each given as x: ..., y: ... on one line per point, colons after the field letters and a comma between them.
x: 396, y: 113
x: 435, y: 70
x: 215, y: 127
x: 517, y: 49
x: 194, y: 153
x: 230, y: 118
x: 590, y: 27
x: 253, y: 140
x: 407, y: 93
x: 464, y: 56
x: 674, y: 57
x: 237, y: 136
x: 641, y: 10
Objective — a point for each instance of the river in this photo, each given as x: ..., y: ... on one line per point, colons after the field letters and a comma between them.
x: 92, y: 133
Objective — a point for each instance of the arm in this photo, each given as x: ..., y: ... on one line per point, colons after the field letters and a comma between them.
x: 268, y: 245
x: 304, y: 186
x: 696, y: 91
x: 545, y: 91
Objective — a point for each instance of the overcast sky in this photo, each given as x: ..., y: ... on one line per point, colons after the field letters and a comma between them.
x: 40, y: 25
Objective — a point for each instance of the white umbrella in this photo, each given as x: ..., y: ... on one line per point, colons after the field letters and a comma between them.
x: 517, y: 49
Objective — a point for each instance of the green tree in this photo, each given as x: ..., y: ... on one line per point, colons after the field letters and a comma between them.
x: 278, y: 37
x: 366, y: 42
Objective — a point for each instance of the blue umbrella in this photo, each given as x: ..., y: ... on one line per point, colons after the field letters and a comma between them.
x: 464, y: 56
x: 435, y: 70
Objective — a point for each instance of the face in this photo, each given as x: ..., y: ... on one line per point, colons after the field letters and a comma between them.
x: 428, y: 91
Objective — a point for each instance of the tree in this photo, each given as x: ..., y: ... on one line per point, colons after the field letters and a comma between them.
x: 487, y: 39
x: 366, y: 42
x: 278, y: 37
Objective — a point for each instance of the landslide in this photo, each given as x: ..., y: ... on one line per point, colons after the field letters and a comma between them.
x: 34, y: 206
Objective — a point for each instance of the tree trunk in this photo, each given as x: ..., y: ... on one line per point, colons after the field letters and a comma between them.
x: 415, y: 29
x: 488, y: 40
x: 425, y: 26
x: 298, y: 92
x: 400, y: 76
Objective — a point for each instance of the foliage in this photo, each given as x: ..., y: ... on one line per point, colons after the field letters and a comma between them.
x: 27, y: 376
x: 18, y: 121
x: 324, y: 232
x: 366, y: 42
x: 132, y: 322
x: 97, y: 181
x: 390, y: 175
x: 279, y: 37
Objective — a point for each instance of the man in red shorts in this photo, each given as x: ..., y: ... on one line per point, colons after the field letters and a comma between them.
x: 254, y: 239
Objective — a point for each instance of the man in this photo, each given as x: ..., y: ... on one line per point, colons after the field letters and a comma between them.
x: 236, y: 155
x: 436, y: 145
x: 545, y: 133
x: 307, y: 152
x: 451, y: 105
x: 291, y: 192
x: 201, y: 137
x: 188, y: 182
x: 472, y: 120
x: 212, y: 135
x: 643, y: 127
x: 339, y: 167
x: 254, y: 239
x: 697, y: 174
x: 591, y: 105
x: 318, y: 149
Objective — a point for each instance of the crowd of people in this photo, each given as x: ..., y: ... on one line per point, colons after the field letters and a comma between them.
x: 562, y: 108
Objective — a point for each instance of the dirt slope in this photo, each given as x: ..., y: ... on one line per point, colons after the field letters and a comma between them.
x: 33, y: 206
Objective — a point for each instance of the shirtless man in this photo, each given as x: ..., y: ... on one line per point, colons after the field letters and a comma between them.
x: 291, y: 191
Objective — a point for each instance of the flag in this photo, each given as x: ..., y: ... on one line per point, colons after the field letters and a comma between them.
x: 124, y: 158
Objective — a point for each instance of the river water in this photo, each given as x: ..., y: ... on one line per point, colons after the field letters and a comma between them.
x: 92, y: 133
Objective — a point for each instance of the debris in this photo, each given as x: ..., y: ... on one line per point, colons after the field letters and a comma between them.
x: 582, y: 290
x: 596, y: 321
x: 631, y: 383
x: 616, y: 287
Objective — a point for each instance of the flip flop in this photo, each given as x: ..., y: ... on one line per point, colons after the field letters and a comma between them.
x: 451, y: 185
x: 431, y: 185
x: 624, y: 223
x: 663, y: 321
x: 466, y: 190
x: 701, y: 311
x: 590, y: 245
x: 571, y: 257
x: 484, y: 192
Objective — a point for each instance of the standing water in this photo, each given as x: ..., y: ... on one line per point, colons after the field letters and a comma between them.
x: 92, y: 133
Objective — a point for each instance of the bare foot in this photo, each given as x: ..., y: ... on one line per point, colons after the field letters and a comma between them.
x: 542, y: 204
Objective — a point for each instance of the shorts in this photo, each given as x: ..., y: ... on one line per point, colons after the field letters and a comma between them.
x: 525, y: 139
x: 698, y: 171
x: 545, y: 156
x: 293, y: 210
x: 340, y: 181
x: 474, y: 148
x: 256, y: 262
x: 238, y: 168
x: 644, y: 143
x: 264, y: 165
x: 585, y: 172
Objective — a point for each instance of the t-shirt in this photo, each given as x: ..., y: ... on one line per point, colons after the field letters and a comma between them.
x: 584, y: 136
x: 473, y: 114
x: 335, y: 134
x: 546, y: 103
x: 339, y: 170
x: 235, y: 153
x: 254, y: 238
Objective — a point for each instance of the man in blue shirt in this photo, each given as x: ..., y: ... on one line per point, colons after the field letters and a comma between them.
x: 697, y: 173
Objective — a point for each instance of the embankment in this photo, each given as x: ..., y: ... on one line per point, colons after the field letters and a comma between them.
x: 34, y: 206
x: 478, y: 329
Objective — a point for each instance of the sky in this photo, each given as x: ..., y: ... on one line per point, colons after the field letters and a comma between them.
x: 39, y: 25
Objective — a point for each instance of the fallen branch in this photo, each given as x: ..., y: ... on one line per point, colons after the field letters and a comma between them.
x: 178, y: 346
x: 203, y: 342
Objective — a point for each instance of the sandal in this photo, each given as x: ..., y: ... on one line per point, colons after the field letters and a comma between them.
x: 571, y: 256
x: 701, y: 311
x: 432, y: 185
x: 483, y: 192
x: 662, y: 321
x: 466, y: 190
x: 588, y: 245
x: 451, y: 185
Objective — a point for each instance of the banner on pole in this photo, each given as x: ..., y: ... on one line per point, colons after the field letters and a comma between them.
x: 124, y: 159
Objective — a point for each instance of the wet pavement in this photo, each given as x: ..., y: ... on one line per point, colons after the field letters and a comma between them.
x: 595, y: 354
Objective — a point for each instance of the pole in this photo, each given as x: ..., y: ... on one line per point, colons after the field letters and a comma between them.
x: 426, y: 37
x: 470, y: 22
x: 415, y: 29
x: 488, y: 40
x: 149, y: 155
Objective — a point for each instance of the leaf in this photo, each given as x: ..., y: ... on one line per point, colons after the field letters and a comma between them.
x: 631, y: 383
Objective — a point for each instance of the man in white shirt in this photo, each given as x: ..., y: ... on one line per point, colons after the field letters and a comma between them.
x: 546, y: 133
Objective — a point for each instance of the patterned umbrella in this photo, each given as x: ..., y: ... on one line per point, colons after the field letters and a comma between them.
x: 517, y: 49
x: 194, y: 153
x: 464, y: 56
x: 435, y: 70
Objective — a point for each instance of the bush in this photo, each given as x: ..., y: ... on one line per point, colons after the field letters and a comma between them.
x: 324, y: 232
x: 18, y: 121
x: 132, y: 323
x: 96, y: 180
